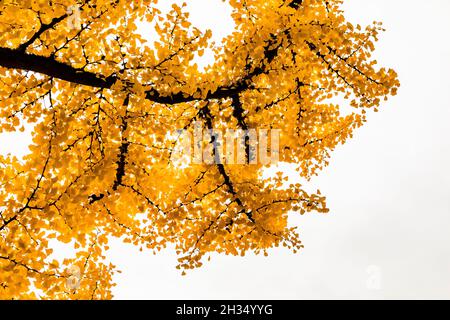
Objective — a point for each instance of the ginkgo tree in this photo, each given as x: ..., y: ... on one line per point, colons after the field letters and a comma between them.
x: 102, y: 101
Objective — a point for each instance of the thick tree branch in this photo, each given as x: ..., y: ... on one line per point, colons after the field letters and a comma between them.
x: 16, y: 59
x: 19, y: 60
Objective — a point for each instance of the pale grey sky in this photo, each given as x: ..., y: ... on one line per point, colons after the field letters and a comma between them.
x: 388, y: 232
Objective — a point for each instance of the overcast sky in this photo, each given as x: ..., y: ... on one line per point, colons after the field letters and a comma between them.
x: 388, y: 232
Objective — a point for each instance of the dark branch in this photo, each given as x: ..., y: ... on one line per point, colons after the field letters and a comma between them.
x: 295, y: 4
x: 15, y: 59
x: 42, y: 29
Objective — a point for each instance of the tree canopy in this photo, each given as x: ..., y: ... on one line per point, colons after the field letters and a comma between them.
x: 102, y: 101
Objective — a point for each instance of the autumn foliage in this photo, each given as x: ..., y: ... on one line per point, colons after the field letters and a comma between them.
x: 102, y: 101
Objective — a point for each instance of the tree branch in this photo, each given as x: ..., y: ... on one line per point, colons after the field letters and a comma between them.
x: 16, y: 59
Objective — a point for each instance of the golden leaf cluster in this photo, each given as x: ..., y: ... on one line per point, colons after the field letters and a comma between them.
x: 102, y: 101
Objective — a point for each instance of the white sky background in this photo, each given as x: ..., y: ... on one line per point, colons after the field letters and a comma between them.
x: 388, y: 232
